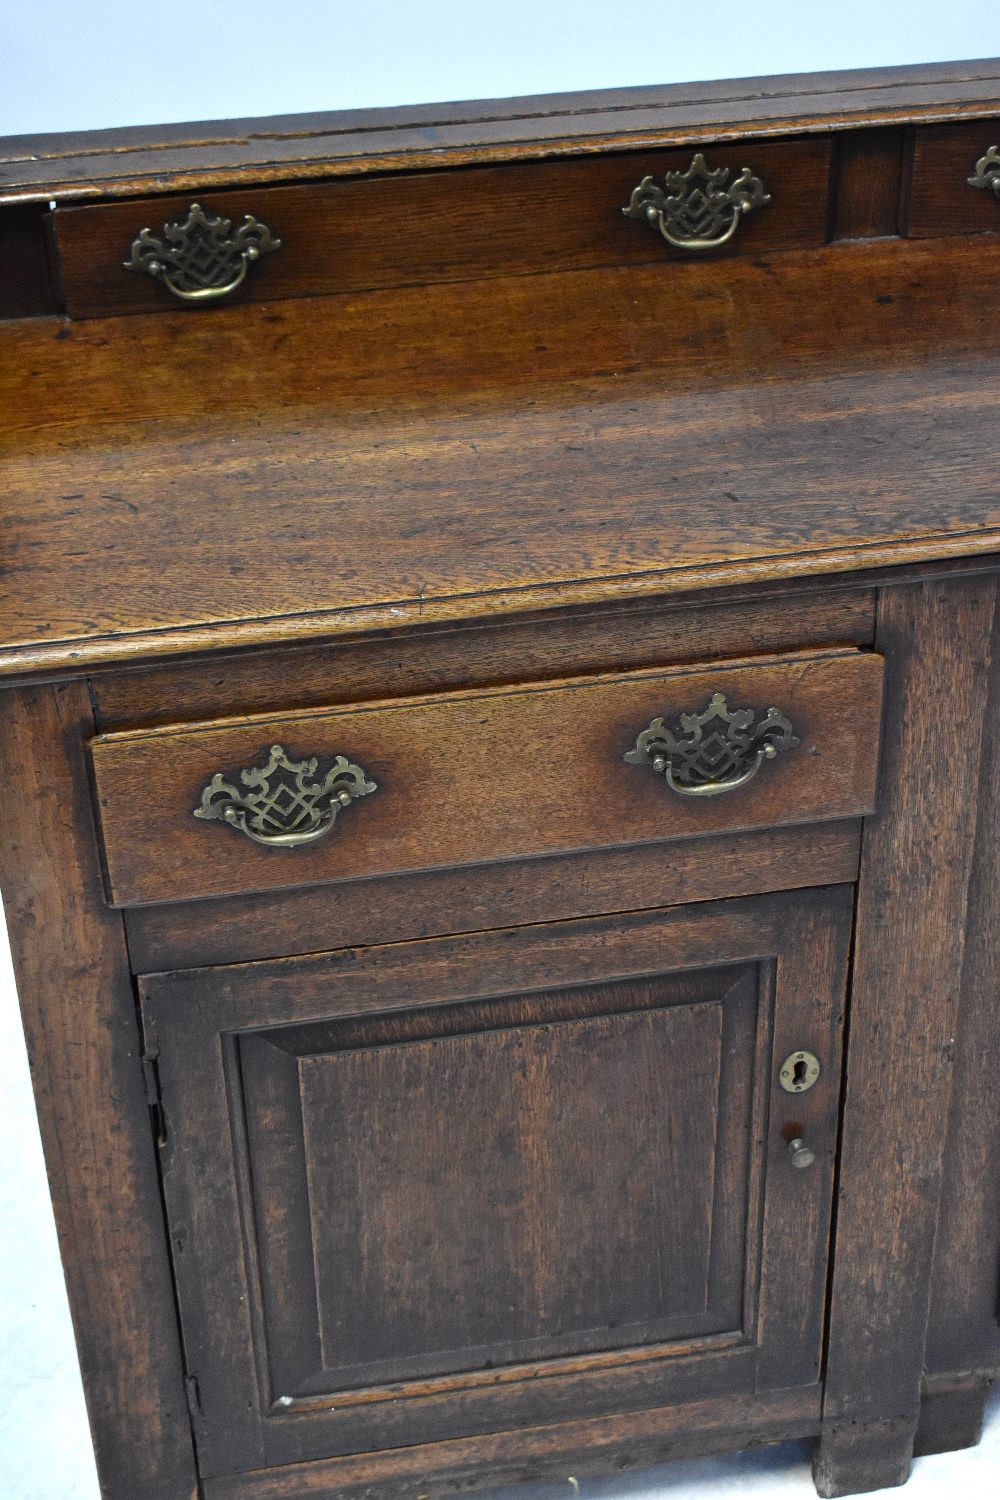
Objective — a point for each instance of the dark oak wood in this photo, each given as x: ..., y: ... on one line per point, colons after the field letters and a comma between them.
x: 869, y: 178
x: 553, y: 758
x: 281, y: 923
x: 951, y: 1417
x: 591, y: 1446
x: 404, y: 1086
x: 26, y: 283
x: 941, y: 199
x: 356, y: 235
x: 571, y: 644
x: 962, y: 1352
x: 112, y: 551
x: 83, y: 1042
x: 453, y: 1151
x: 904, y: 1011
x: 164, y: 157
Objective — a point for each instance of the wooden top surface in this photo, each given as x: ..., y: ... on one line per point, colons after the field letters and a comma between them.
x: 466, y: 451
x: 171, y: 158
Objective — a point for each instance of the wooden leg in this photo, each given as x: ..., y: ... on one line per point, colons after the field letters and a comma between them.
x: 859, y: 1457
x: 950, y: 1420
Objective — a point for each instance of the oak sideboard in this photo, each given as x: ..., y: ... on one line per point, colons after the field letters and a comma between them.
x: 500, y: 748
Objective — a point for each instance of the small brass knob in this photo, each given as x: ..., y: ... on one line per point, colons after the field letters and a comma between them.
x: 800, y: 1153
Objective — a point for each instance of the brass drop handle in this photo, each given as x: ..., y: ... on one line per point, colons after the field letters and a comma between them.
x: 199, y: 260
x: 986, y: 172
x: 284, y: 803
x: 715, y: 751
x: 699, y: 209
x: 801, y: 1156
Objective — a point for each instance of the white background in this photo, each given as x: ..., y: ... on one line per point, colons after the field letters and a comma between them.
x: 75, y: 65
x: 67, y: 64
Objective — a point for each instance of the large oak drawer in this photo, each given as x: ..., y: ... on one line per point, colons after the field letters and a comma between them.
x: 367, y: 233
x: 477, y: 777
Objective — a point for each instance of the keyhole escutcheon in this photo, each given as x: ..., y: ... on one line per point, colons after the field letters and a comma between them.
x: 799, y: 1072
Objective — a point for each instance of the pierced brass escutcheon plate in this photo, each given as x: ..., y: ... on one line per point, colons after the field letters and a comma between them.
x: 716, y: 751
x: 699, y: 209
x: 284, y: 803
x: 199, y: 260
x: 799, y: 1072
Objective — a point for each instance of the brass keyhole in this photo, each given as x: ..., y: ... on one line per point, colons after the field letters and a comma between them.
x: 799, y: 1072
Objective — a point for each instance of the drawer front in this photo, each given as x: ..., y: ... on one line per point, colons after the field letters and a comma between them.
x: 349, y: 236
x: 478, y: 777
x: 942, y: 200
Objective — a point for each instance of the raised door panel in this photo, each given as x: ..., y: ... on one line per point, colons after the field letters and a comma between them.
x: 454, y: 1233
x: 442, y: 1188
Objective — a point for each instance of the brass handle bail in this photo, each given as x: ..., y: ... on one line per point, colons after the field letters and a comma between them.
x: 199, y: 260
x: 716, y: 751
x: 284, y: 803
x: 699, y: 209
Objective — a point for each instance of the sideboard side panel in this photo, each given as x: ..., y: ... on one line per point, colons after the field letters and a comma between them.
x: 963, y: 1338
x: 917, y: 857
x: 83, y: 1041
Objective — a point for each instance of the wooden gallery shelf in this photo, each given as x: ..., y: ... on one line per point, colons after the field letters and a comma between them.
x: 499, y: 720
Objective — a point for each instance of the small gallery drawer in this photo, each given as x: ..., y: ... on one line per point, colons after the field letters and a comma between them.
x: 942, y: 199
x: 477, y: 777
x: 361, y: 234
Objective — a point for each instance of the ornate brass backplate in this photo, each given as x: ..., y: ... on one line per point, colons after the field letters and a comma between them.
x: 714, y: 751
x: 284, y: 803
x: 986, y: 172
x: 199, y: 260
x: 699, y: 209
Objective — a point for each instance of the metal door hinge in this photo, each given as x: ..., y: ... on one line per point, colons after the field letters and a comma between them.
x: 154, y: 1098
x: 194, y: 1399
x: 195, y: 1413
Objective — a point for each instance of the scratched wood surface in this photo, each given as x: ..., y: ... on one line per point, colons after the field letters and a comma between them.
x: 452, y: 452
x: 158, y: 157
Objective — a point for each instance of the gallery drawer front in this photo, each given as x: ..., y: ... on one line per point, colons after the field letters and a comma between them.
x: 476, y: 777
x: 315, y: 239
x: 955, y: 187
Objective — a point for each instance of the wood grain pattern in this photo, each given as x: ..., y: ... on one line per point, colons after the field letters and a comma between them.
x: 83, y: 1042
x: 587, y: 1447
x: 868, y: 177
x: 904, y: 1011
x: 178, y: 157
x: 500, y: 774
x: 397, y: 995
x: 576, y: 644
x: 122, y: 537
x: 279, y: 924
x: 486, y: 497
x: 941, y: 199
x: 963, y: 1332
x: 416, y: 230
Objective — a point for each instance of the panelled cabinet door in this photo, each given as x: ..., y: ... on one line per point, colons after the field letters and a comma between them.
x: 454, y: 1186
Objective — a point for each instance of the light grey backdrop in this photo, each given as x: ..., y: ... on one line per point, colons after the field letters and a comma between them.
x: 78, y: 65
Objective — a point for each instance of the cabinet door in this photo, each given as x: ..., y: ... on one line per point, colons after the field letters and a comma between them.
x: 454, y: 1186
